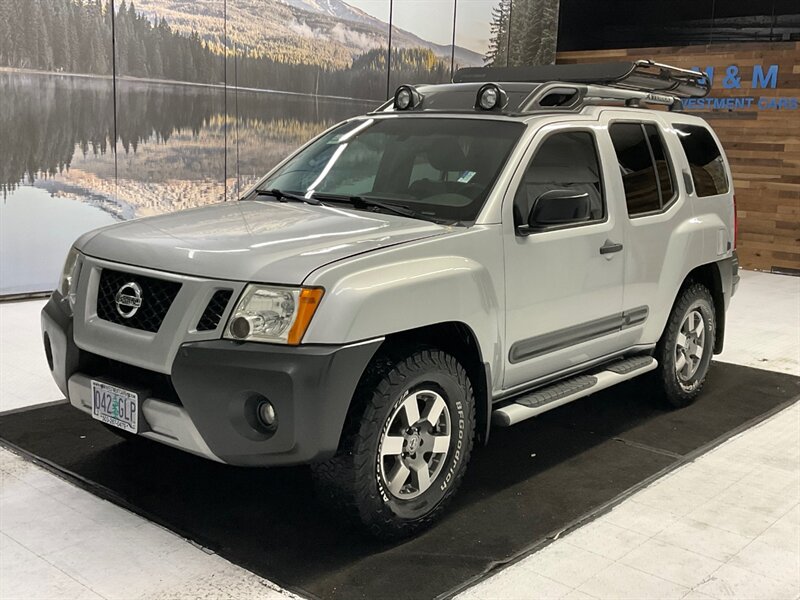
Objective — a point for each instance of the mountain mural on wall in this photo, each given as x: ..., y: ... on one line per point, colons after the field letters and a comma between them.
x: 334, y: 8
x: 327, y: 32
x: 405, y: 39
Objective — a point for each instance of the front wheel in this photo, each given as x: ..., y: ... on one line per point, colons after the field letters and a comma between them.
x: 405, y: 451
x: 685, y: 349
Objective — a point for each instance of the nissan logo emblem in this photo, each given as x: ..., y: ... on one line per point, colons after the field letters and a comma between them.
x: 129, y: 299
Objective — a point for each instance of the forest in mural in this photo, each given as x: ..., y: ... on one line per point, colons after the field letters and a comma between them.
x: 124, y: 109
x: 73, y: 37
x: 523, y: 32
x: 56, y: 35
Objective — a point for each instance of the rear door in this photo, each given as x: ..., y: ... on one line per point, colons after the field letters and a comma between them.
x: 564, y: 283
x: 657, y: 219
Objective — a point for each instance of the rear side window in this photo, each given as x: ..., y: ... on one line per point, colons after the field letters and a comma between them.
x: 644, y: 167
x: 663, y: 172
x: 705, y: 160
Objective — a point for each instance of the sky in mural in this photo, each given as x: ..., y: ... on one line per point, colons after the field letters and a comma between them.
x: 432, y: 19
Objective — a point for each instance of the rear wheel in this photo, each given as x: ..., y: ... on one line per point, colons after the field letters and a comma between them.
x: 405, y: 451
x: 687, y: 345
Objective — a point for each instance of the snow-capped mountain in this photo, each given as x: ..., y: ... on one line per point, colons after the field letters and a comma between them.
x: 341, y: 10
x: 330, y: 32
x: 334, y: 8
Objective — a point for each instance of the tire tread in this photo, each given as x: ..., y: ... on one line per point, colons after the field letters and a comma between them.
x: 345, y: 481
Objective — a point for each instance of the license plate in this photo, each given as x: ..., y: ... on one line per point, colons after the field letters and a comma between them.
x: 115, y: 406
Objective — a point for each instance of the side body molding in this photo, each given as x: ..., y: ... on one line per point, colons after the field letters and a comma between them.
x: 570, y: 336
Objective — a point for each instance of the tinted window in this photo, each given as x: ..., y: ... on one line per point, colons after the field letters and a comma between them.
x: 705, y: 160
x: 563, y: 161
x: 636, y: 167
x: 442, y: 168
x: 663, y: 170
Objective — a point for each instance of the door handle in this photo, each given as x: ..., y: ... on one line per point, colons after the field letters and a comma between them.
x: 610, y: 247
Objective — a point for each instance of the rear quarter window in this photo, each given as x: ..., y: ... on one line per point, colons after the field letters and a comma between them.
x: 705, y: 160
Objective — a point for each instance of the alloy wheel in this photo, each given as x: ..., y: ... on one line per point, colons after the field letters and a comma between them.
x: 414, y: 447
x: 689, y: 345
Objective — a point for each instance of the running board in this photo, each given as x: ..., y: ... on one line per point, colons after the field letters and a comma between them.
x: 564, y: 391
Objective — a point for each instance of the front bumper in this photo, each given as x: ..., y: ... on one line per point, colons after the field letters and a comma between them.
x: 206, y: 404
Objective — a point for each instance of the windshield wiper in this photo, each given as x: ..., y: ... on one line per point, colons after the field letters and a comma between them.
x: 398, y: 209
x: 282, y: 196
x: 356, y: 201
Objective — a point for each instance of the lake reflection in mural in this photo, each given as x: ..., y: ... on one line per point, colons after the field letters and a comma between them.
x: 59, y: 170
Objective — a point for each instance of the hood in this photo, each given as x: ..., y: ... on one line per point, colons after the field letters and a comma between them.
x: 263, y: 241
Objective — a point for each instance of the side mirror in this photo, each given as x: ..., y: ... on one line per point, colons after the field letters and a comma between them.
x: 557, y: 207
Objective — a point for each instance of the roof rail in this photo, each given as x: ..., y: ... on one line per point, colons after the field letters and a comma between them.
x: 645, y: 76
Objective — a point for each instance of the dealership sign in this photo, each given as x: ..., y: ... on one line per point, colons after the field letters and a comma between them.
x: 734, y: 78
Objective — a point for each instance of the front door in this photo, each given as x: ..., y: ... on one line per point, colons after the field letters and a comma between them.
x: 564, y: 279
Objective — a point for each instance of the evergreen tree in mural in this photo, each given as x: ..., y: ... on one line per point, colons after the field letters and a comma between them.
x: 57, y: 35
x: 498, y: 35
x: 523, y: 32
x: 74, y: 36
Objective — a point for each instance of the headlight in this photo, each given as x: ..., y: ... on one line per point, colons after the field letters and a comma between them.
x: 273, y: 314
x: 69, y: 277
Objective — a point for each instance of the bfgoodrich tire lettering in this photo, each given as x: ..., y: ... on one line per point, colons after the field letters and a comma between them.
x: 415, y: 414
x: 680, y: 381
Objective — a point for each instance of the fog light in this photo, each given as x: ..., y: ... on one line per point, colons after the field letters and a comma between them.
x: 491, y: 97
x: 406, y: 98
x: 488, y: 98
x: 403, y: 99
x: 266, y: 415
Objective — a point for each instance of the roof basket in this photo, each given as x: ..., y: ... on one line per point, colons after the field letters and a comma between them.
x: 644, y: 76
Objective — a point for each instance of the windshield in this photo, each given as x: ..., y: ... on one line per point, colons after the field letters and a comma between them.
x: 441, y: 168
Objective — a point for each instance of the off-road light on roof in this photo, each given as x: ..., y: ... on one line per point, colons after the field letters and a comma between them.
x: 406, y: 98
x: 491, y: 97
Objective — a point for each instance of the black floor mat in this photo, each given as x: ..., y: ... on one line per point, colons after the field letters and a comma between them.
x: 533, y: 479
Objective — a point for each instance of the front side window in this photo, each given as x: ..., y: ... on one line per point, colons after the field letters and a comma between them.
x: 705, y: 160
x: 562, y: 183
x: 442, y: 168
x: 644, y: 167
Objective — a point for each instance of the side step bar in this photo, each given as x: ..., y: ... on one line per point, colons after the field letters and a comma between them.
x: 564, y: 391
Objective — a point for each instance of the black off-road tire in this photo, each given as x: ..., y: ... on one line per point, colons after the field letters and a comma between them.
x: 672, y: 390
x: 351, y: 482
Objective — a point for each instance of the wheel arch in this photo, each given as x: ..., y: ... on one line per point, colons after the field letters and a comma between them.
x: 458, y: 339
x: 709, y: 276
x: 454, y: 337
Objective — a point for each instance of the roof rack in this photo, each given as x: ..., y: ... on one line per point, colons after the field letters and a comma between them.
x: 640, y: 75
x: 634, y: 83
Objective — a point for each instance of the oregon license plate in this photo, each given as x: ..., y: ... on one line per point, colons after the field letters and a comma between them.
x: 115, y: 406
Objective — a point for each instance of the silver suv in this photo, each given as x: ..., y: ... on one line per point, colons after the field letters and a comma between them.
x: 468, y: 254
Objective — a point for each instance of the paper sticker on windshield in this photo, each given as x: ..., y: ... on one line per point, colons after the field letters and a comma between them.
x: 466, y: 176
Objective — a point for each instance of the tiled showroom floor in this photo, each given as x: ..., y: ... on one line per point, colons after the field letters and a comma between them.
x: 724, y: 526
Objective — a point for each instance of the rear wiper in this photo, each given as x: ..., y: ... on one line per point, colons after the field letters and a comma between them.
x: 286, y: 196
